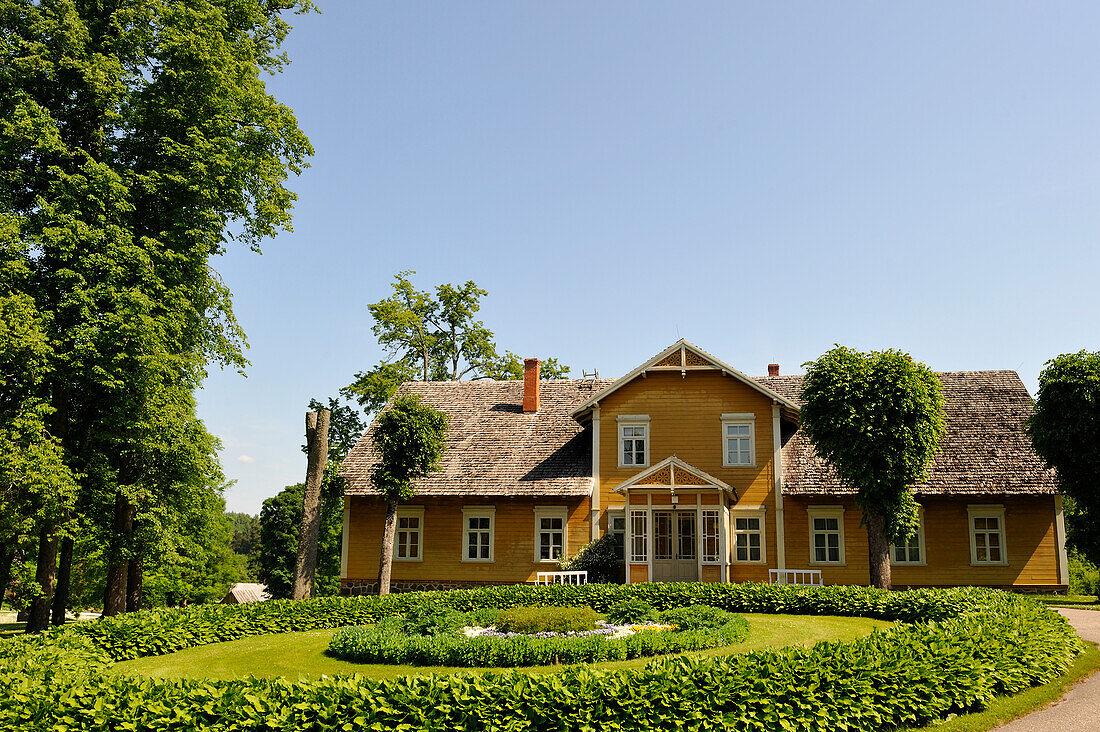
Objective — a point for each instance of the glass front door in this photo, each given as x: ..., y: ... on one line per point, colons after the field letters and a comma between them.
x: 675, y: 541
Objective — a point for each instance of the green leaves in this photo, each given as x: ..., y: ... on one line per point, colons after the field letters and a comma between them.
x: 410, y: 437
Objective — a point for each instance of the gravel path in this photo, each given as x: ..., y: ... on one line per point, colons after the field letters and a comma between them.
x: 1079, y: 709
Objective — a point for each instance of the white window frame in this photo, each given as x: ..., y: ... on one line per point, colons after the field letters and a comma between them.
x: 920, y: 546
x: 826, y: 512
x: 614, y: 514
x: 717, y: 513
x: 739, y: 419
x: 987, y: 510
x: 469, y: 512
x: 551, y: 512
x: 633, y: 534
x: 633, y: 420
x: 416, y: 512
x: 736, y: 513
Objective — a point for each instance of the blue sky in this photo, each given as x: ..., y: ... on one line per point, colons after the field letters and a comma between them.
x: 762, y: 179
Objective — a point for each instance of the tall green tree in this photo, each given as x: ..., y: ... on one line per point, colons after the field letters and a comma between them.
x: 877, y: 418
x: 280, y: 523
x: 434, y: 337
x: 1065, y: 430
x: 409, y: 437
x: 137, y: 138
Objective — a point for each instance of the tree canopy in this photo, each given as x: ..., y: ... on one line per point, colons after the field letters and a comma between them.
x: 434, y: 337
x: 1065, y: 431
x: 877, y: 418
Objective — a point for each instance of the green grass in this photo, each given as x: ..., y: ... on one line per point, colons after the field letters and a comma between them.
x: 298, y: 655
x: 1084, y: 601
x: 1004, y: 709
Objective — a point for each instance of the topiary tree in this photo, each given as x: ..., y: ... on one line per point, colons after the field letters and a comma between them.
x: 409, y: 437
x: 878, y: 418
x: 1065, y: 431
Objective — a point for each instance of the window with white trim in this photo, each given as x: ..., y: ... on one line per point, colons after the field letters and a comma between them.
x: 477, y: 533
x: 408, y: 540
x: 826, y: 534
x: 633, y: 440
x: 639, y: 536
x: 712, y: 536
x: 912, y: 550
x: 748, y: 536
x: 550, y: 534
x: 738, y: 440
x: 987, y: 534
x: 616, y: 526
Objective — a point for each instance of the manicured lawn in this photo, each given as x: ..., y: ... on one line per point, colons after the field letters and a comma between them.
x: 1004, y: 709
x: 302, y: 654
x: 1085, y: 602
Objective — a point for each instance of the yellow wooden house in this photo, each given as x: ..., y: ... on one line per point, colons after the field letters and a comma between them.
x: 702, y: 474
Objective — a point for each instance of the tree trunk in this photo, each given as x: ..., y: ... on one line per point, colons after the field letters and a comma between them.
x: 878, y: 549
x: 114, y: 595
x: 7, y: 558
x: 317, y: 445
x: 64, y: 575
x: 133, y: 584
x: 39, y: 618
x: 386, y: 563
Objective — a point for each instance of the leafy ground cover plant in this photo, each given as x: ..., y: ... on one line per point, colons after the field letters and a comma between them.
x: 632, y: 611
x: 954, y: 651
x: 694, y: 617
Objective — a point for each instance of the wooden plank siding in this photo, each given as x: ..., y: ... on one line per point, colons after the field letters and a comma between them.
x: 1029, y: 536
x: 443, y: 540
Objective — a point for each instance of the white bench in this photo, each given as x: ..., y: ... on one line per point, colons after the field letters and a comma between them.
x: 561, y: 578
x: 808, y: 577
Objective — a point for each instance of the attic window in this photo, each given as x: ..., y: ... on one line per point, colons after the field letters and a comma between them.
x: 633, y: 441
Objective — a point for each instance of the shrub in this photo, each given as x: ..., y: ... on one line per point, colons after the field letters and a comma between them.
x: 632, y: 611
x: 693, y: 617
x: 1084, y: 578
x: 963, y: 646
x: 601, y: 558
x: 547, y: 619
x: 429, y: 619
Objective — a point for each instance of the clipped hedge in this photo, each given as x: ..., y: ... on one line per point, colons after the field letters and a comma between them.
x: 956, y: 651
x: 387, y: 642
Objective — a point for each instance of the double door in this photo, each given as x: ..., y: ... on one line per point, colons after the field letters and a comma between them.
x: 675, y: 546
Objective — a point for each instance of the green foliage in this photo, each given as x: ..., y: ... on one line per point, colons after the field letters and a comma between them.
x: 878, y: 418
x: 547, y: 619
x: 632, y: 610
x: 409, y: 437
x: 1065, y: 431
x: 957, y: 649
x: 1084, y: 577
x: 433, y: 337
x: 280, y: 523
x: 693, y: 617
x: 430, y: 619
x: 600, y: 558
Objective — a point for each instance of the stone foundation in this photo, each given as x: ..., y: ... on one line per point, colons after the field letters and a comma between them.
x: 353, y: 587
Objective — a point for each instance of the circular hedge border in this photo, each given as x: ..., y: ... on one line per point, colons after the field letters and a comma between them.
x: 953, y: 652
x: 384, y: 644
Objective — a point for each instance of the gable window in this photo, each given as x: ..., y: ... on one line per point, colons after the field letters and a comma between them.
x: 748, y: 536
x: 633, y: 440
x: 477, y: 534
x: 616, y: 526
x: 826, y: 534
x: 712, y: 536
x: 408, y: 541
x: 912, y: 550
x: 738, y: 440
x: 987, y: 534
x: 550, y: 535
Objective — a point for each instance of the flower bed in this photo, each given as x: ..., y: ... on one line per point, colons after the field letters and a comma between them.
x: 396, y: 640
x: 953, y: 652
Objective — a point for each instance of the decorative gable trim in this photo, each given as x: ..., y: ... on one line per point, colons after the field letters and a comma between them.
x: 671, y: 472
x: 682, y: 356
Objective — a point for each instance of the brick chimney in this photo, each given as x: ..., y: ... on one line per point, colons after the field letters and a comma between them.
x: 773, y: 369
x: 531, y: 385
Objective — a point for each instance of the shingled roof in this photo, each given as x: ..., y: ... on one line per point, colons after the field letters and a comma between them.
x: 984, y: 451
x: 493, y: 447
